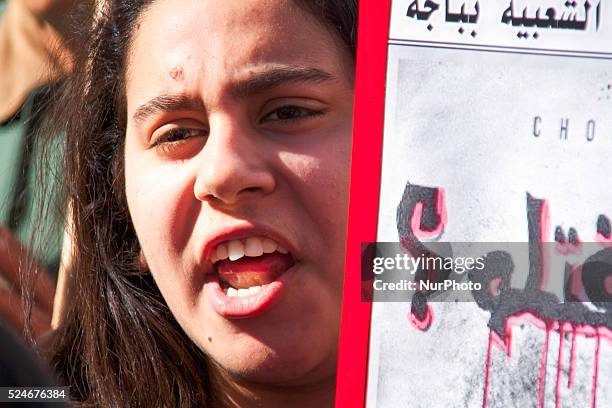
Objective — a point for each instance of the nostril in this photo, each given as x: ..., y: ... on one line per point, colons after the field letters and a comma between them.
x: 227, y: 182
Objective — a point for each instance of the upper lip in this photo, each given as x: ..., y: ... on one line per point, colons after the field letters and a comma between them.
x: 228, y: 233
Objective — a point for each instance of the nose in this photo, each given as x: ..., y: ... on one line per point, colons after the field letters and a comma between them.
x: 233, y: 166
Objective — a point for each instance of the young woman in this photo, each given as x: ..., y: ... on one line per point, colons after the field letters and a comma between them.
x: 208, y: 148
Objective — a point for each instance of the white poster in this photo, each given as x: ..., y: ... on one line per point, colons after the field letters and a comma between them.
x: 498, y: 129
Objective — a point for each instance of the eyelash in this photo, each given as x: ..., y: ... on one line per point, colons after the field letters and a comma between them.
x: 179, y: 134
x: 304, y: 113
x: 176, y: 135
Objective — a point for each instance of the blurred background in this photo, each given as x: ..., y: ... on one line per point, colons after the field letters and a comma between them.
x: 34, y: 57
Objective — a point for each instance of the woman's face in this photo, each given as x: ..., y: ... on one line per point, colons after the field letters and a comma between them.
x: 237, y: 171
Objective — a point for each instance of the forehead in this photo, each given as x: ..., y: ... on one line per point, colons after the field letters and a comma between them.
x: 179, y: 42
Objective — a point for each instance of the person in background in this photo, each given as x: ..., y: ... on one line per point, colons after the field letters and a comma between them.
x: 34, y: 54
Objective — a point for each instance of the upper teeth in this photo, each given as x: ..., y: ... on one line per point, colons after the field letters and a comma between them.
x: 252, y: 246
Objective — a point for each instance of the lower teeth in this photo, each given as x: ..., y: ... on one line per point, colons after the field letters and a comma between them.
x: 231, y: 292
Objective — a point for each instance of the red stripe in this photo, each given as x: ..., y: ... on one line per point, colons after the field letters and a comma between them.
x: 365, y: 187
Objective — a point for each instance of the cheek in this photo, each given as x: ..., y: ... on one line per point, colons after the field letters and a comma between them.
x: 158, y: 200
x: 333, y: 184
x: 329, y: 182
x: 319, y: 178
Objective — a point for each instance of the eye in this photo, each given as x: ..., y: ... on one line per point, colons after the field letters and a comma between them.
x: 177, y: 135
x: 176, y: 142
x: 290, y: 113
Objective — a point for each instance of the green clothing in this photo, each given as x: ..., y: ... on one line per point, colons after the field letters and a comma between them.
x: 11, y: 146
x: 21, y: 187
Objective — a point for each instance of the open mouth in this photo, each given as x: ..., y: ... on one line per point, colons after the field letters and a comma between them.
x: 247, y: 266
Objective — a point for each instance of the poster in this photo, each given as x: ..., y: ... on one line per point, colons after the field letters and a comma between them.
x: 483, y: 129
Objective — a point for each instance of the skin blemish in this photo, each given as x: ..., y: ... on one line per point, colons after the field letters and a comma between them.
x: 177, y: 73
x: 210, y: 339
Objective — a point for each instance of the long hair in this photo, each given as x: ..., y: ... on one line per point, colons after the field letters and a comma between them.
x: 119, y: 344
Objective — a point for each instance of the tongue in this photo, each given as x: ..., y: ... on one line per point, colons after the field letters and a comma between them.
x: 247, y: 271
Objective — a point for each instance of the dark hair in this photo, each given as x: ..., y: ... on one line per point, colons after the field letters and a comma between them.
x: 119, y: 344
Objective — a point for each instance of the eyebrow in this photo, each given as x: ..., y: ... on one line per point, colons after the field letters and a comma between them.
x: 257, y: 83
x: 274, y: 77
x: 166, y: 103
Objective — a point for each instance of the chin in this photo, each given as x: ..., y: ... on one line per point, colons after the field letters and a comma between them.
x: 284, y: 363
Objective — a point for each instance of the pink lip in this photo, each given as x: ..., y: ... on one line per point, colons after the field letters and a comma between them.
x: 246, y: 306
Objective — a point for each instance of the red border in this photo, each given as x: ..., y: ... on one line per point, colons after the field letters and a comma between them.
x: 373, y: 37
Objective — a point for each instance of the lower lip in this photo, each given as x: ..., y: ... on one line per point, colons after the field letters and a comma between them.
x: 241, y: 307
